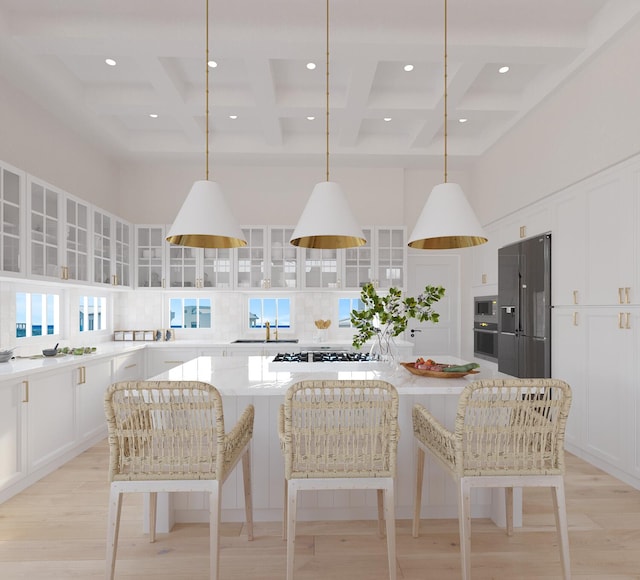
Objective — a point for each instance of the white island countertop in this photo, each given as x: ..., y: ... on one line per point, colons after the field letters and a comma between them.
x: 250, y: 376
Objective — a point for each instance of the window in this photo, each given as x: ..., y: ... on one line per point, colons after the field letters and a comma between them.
x: 37, y: 314
x: 190, y: 313
x: 345, y: 306
x: 275, y: 311
x: 92, y: 313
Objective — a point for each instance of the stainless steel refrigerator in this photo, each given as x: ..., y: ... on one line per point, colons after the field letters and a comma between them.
x: 524, y: 307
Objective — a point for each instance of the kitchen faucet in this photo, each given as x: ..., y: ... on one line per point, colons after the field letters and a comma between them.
x: 267, y: 326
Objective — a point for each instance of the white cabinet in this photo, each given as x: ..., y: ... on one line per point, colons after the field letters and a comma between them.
x: 268, y: 260
x: 91, y: 381
x: 75, y: 263
x: 381, y: 261
x: 526, y: 223
x: 162, y: 359
x: 150, y: 251
x: 199, y: 267
x: 50, y: 416
x: 12, y: 443
x: 111, y: 250
x: 44, y: 216
x: 11, y: 220
x: 569, y: 248
x: 320, y: 268
x: 128, y: 367
x: 485, y: 262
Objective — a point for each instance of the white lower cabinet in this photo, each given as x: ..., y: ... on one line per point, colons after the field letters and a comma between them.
x: 12, y: 422
x: 162, y: 359
x: 596, y: 350
x: 128, y: 367
x: 91, y: 381
x: 50, y: 417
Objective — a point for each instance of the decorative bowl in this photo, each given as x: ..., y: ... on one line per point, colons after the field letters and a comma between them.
x: 411, y: 367
x: 50, y: 352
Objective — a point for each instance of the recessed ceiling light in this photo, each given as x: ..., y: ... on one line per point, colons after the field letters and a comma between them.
x: 408, y: 67
x: 110, y: 61
x: 311, y: 65
x: 503, y: 69
x: 310, y: 118
x: 233, y: 116
x: 153, y: 115
x: 212, y: 64
x: 462, y: 120
x: 387, y: 119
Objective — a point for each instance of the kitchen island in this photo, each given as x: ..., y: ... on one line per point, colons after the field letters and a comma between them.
x: 251, y: 380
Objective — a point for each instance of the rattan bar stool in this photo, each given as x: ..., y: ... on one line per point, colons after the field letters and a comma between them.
x: 508, y: 433
x: 340, y: 435
x: 170, y: 436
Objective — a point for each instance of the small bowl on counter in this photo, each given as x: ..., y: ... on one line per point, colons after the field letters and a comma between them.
x: 5, y: 355
x: 50, y: 351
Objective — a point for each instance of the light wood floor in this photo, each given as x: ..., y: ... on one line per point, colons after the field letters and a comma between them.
x: 56, y: 529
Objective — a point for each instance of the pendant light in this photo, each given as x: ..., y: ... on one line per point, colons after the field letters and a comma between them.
x: 327, y: 221
x: 447, y: 220
x: 205, y: 220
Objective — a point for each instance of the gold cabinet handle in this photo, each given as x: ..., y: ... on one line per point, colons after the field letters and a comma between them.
x: 575, y: 319
x: 523, y: 231
x: 628, y: 321
x: 131, y: 366
x: 627, y: 295
x: 575, y: 297
x: 26, y: 391
x: 82, y: 377
x: 620, y: 315
x: 484, y: 278
x: 620, y: 296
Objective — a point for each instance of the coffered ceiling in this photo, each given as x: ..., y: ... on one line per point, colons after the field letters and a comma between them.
x: 55, y: 50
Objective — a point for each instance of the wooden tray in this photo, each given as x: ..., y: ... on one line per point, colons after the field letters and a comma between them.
x: 436, y: 374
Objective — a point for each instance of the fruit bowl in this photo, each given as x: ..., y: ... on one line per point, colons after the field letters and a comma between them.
x: 411, y: 367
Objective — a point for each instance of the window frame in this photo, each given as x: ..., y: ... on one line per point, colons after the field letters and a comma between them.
x: 262, y: 297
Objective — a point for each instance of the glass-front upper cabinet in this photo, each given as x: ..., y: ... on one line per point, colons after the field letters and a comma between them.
x: 268, y: 260
x: 251, y: 259
x: 76, y: 254
x: 44, y: 218
x: 216, y: 268
x: 11, y: 211
x: 320, y: 268
x: 391, y: 257
x: 122, y: 253
x: 183, y: 267
x: 381, y: 261
x: 101, y: 247
x: 358, y: 263
x: 283, y: 259
x: 150, y: 247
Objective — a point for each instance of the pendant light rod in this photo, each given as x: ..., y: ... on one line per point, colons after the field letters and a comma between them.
x: 445, y: 91
x: 327, y: 89
x: 206, y: 107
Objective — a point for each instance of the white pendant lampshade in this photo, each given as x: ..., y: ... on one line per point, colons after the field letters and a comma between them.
x: 327, y: 220
x: 205, y: 221
x: 447, y: 221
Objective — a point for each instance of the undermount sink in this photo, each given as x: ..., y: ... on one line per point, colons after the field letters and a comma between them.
x: 259, y: 341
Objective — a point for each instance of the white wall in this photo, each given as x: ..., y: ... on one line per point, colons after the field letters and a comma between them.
x: 33, y: 140
x: 590, y: 123
x: 152, y: 192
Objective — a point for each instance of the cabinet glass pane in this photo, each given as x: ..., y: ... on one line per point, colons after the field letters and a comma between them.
x: 321, y: 268
x: 11, y: 219
x: 150, y: 248
x: 11, y: 187
x: 358, y: 264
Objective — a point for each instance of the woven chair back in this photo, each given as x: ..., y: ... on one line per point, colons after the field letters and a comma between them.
x: 512, y: 427
x: 340, y: 429
x: 164, y: 430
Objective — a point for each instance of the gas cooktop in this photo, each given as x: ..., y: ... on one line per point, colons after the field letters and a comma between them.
x: 306, y: 361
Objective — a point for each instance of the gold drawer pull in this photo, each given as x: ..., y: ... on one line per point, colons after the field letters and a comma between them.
x: 575, y: 297
x: 620, y: 296
x: 26, y: 391
x: 628, y: 324
x: 575, y: 319
x: 627, y: 295
x: 131, y: 366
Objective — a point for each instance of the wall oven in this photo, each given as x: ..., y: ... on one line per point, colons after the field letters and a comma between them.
x: 485, y: 327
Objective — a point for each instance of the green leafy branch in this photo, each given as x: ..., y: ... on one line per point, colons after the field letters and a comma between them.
x: 391, y: 313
